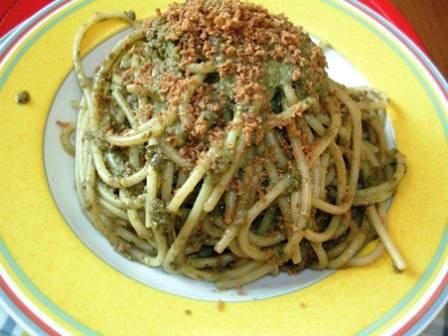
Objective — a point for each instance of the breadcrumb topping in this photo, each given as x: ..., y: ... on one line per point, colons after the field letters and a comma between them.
x: 253, y: 53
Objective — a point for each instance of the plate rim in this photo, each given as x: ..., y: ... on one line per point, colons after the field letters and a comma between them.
x: 428, y: 311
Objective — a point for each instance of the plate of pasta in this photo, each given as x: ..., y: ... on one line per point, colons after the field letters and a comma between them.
x: 213, y: 162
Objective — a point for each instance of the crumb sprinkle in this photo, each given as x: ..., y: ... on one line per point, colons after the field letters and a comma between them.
x: 221, y: 305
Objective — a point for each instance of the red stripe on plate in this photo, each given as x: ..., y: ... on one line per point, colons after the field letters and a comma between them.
x: 409, y: 324
x: 21, y: 305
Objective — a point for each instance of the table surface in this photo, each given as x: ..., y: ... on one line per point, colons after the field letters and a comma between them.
x: 430, y: 21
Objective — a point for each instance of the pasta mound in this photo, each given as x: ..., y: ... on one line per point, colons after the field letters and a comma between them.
x: 212, y: 143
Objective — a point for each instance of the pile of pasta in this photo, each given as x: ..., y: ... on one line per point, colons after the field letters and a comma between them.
x: 212, y: 143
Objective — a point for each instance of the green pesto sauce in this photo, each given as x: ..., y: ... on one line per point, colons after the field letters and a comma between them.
x: 156, y: 157
x: 161, y: 217
x: 275, y: 74
x: 22, y: 97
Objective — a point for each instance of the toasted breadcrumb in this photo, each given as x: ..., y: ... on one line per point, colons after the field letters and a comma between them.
x: 221, y: 305
x: 240, y: 40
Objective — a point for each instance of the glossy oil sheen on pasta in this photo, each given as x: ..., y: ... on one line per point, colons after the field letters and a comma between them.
x: 211, y: 142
